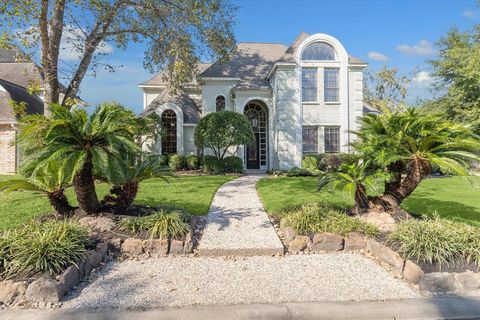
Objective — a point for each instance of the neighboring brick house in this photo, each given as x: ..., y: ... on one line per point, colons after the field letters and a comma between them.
x: 16, y: 75
x: 301, y: 99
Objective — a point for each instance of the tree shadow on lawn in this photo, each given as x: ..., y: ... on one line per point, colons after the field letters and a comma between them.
x: 423, y: 202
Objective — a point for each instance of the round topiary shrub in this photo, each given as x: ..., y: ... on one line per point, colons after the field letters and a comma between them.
x: 177, y: 162
x: 233, y: 164
x: 212, y: 165
x: 193, y: 162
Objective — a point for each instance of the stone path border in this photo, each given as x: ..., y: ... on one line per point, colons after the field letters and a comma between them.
x: 237, y: 223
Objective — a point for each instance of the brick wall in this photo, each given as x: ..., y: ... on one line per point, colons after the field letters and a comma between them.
x: 7, y: 150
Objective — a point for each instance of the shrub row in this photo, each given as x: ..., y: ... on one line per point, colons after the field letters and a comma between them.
x: 437, y: 240
x: 229, y: 164
x: 210, y: 164
x: 165, y: 223
x: 47, y: 247
x: 320, y: 217
x: 329, y: 162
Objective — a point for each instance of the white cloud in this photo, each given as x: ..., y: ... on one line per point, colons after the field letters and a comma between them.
x: 421, y: 86
x: 423, y: 77
x: 422, y: 48
x: 377, y: 56
x: 470, y: 13
x: 71, y: 45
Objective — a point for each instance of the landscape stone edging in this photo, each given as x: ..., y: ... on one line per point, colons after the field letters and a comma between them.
x: 44, y: 291
x: 138, y: 248
x: 433, y: 282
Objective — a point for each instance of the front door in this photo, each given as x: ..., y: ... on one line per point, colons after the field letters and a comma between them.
x: 253, y: 154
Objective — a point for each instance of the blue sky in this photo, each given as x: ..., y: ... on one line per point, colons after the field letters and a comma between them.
x: 396, y: 33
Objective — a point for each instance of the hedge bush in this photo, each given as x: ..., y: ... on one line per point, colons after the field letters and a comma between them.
x: 193, y: 162
x: 177, y: 162
x: 437, y: 240
x: 233, y: 164
x: 320, y: 217
x: 47, y: 247
x: 298, y: 172
x: 166, y: 223
x: 311, y: 163
x: 163, y: 160
x: 212, y: 165
x: 331, y: 162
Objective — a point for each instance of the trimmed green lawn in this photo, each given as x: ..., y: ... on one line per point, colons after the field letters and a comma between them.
x: 452, y: 197
x: 194, y: 193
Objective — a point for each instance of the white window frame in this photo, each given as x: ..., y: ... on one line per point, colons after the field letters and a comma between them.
x: 316, y: 128
x: 325, y: 139
x: 317, y: 82
x: 325, y: 88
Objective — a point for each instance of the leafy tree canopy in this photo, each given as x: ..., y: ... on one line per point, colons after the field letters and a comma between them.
x: 176, y: 33
x: 385, y: 89
x: 219, y: 131
x: 458, y: 73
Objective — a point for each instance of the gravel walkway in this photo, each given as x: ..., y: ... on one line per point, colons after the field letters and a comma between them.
x: 183, y: 281
x: 237, y: 224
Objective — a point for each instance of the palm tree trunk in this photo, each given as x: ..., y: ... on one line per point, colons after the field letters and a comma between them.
x: 397, y: 192
x: 59, y: 202
x: 84, y: 186
x: 361, y: 198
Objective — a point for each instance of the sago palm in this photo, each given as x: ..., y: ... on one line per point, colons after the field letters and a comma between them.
x: 125, y: 187
x: 49, y: 181
x: 407, y: 144
x: 81, y: 142
x: 353, y: 179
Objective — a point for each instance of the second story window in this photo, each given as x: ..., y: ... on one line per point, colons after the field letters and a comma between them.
x: 309, y: 84
x: 331, y: 85
x: 220, y: 103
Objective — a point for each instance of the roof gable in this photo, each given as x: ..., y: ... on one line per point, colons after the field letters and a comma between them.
x: 10, y: 91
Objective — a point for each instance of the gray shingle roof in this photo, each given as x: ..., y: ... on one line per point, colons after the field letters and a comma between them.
x: 22, y: 74
x: 10, y: 91
x: 251, y: 62
x: 191, y: 112
x: 159, y: 79
x: 12, y: 55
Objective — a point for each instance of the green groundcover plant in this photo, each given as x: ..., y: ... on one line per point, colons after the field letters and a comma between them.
x: 437, y: 240
x: 165, y: 223
x: 42, y: 247
x: 320, y: 217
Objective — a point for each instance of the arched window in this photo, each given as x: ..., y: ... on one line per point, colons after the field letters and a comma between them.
x: 220, y: 103
x: 169, y: 139
x: 318, y: 51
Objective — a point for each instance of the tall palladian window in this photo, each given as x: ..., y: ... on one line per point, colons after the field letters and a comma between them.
x: 169, y: 139
x: 318, y: 51
x: 220, y: 103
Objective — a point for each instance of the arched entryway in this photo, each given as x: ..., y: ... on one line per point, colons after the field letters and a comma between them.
x: 256, y: 155
x: 169, y: 140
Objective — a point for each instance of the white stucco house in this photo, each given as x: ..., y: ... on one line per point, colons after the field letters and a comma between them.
x: 300, y: 99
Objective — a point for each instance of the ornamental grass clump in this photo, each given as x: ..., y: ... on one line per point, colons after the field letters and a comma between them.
x: 42, y: 247
x: 165, y: 223
x: 437, y: 241
x: 319, y: 217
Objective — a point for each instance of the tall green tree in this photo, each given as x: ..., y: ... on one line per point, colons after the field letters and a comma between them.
x: 457, y: 70
x: 175, y: 33
x: 385, y: 89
